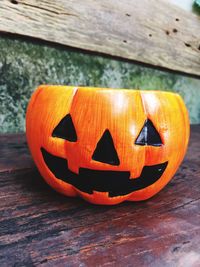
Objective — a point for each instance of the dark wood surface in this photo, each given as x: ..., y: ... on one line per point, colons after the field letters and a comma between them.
x: 40, y: 227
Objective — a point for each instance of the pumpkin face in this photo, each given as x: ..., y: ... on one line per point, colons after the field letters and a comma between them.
x: 106, y: 145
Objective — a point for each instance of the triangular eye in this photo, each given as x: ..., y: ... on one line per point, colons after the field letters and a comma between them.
x: 148, y: 136
x: 105, y: 150
x: 65, y: 129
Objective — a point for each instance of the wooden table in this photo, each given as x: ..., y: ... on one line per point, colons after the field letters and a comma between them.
x: 40, y: 227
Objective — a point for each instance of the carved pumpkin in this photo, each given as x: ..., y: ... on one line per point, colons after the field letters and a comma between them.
x: 106, y: 145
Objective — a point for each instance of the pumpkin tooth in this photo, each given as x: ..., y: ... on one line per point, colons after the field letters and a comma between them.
x: 115, y: 183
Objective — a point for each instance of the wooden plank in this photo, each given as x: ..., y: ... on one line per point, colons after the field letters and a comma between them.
x: 41, y: 227
x: 153, y: 32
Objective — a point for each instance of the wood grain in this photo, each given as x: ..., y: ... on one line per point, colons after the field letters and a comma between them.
x: 39, y: 227
x: 14, y: 153
x: 153, y: 32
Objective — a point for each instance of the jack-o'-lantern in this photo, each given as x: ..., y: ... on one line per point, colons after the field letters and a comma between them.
x: 106, y: 145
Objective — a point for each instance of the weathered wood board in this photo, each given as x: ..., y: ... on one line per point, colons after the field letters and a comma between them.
x: 153, y: 32
x: 14, y: 154
x: 39, y: 227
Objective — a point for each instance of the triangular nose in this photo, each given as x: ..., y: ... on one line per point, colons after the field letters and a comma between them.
x: 105, y: 150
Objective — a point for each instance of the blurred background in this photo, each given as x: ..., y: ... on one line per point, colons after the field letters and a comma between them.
x: 25, y: 64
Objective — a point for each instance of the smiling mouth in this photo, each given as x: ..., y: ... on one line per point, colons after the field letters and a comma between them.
x: 116, y: 183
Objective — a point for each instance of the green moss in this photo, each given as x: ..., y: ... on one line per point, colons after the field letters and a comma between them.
x: 196, y: 7
x: 25, y: 65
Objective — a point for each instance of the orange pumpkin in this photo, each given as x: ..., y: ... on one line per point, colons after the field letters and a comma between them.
x: 106, y: 145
